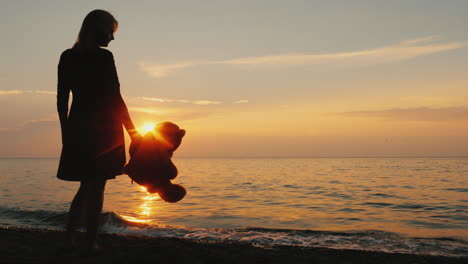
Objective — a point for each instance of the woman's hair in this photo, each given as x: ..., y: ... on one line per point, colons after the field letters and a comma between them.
x: 95, y: 25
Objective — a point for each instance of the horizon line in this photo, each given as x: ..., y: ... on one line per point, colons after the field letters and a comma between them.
x: 286, y: 157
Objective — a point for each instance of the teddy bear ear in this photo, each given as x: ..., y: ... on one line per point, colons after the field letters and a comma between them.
x: 181, y: 133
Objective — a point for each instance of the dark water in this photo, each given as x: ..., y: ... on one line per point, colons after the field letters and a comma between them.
x: 416, y: 205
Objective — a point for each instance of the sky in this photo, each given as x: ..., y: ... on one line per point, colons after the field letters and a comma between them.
x: 255, y: 78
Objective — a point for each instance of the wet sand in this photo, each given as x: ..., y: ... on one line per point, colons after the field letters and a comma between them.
x: 21, y: 245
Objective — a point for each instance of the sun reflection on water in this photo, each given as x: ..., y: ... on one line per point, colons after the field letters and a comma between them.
x: 145, y: 209
x: 134, y: 219
x: 151, y: 197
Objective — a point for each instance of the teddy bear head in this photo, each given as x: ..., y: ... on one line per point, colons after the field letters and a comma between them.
x: 171, y: 133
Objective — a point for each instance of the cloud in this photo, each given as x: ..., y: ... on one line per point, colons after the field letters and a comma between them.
x: 146, y: 110
x: 415, y: 114
x: 405, y: 50
x: 433, y: 101
x: 187, y: 110
x: 164, y: 100
x: 44, y: 92
x: 12, y: 92
x: 240, y: 102
x: 8, y: 92
x: 172, y: 114
x: 421, y: 40
x: 161, y: 70
x: 30, y: 122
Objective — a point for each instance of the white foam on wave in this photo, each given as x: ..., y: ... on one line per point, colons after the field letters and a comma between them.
x: 267, y: 238
x: 260, y: 237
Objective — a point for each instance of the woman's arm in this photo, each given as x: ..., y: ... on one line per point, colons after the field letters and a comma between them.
x: 63, y: 93
x: 122, y: 107
x: 126, y: 120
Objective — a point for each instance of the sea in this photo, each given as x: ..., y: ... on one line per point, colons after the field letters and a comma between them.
x: 403, y: 205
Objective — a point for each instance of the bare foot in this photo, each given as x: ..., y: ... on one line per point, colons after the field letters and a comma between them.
x: 92, y: 248
x: 69, y: 246
x: 71, y: 240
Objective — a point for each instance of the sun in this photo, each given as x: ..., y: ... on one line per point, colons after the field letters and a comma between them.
x: 146, y: 128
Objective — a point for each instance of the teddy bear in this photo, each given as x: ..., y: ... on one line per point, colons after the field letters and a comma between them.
x: 150, y: 163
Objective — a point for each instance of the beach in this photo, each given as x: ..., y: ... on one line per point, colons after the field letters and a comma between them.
x: 33, y: 245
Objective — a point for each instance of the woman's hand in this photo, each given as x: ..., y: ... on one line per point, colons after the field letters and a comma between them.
x: 136, y: 140
x: 135, y: 136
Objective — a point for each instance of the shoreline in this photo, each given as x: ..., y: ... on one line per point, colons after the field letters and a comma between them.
x: 34, y: 245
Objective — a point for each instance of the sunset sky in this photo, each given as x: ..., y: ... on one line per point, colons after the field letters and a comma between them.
x: 255, y: 78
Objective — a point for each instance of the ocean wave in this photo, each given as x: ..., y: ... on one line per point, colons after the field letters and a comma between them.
x: 371, y: 240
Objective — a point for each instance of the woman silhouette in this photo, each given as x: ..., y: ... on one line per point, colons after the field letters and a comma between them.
x: 93, y: 148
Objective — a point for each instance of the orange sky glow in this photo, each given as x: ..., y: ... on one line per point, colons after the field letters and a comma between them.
x: 292, y: 80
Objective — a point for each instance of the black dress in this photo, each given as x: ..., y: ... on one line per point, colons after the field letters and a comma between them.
x: 93, y: 144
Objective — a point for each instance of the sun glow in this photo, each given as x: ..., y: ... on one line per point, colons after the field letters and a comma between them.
x: 147, y: 127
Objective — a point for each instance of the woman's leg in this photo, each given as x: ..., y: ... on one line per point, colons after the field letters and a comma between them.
x: 75, y: 214
x: 94, y: 193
